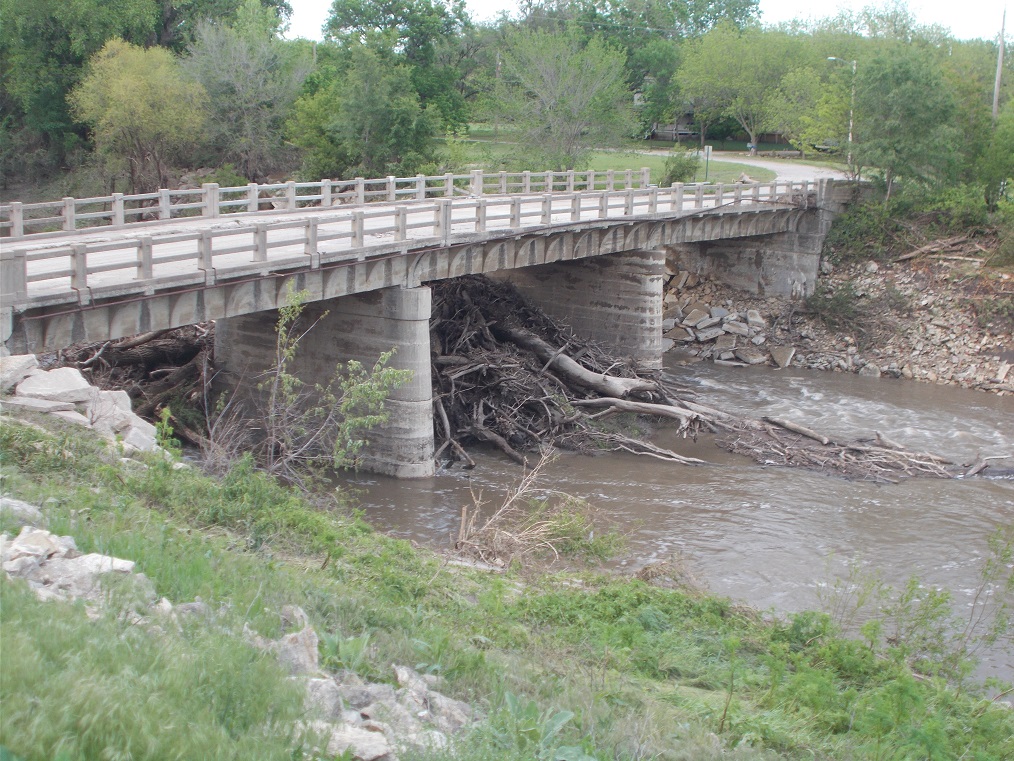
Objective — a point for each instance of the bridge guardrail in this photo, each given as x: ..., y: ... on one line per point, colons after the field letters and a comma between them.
x: 29, y: 273
x: 18, y: 220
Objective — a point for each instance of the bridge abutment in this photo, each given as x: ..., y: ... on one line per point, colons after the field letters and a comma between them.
x: 614, y: 300
x: 360, y: 327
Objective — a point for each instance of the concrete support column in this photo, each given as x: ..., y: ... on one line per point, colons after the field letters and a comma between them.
x: 359, y: 327
x: 614, y: 300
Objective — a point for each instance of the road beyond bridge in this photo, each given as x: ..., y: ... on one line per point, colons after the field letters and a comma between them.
x: 577, y: 245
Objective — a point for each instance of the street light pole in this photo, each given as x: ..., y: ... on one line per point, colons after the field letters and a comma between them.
x: 852, y: 102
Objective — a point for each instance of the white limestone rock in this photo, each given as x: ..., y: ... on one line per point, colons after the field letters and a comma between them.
x: 22, y: 512
x: 298, y: 652
x: 14, y: 369
x: 36, y: 405
x: 363, y: 744
x: 323, y: 700
x: 72, y: 416
x: 64, y: 384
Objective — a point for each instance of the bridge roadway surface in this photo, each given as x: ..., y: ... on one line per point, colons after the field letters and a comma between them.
x: 109, y: 262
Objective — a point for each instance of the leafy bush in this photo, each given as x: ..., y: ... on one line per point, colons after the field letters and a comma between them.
x: 680, y: 166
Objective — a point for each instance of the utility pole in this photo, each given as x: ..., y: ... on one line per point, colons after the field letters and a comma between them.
x: 999, y: 69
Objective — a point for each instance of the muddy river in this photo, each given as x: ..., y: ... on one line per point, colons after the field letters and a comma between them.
x: 767, y: 536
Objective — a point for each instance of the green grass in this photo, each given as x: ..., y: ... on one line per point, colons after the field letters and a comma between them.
x: 609, y: 667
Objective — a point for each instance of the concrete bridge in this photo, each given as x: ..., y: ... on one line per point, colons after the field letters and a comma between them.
x: 587, y: 247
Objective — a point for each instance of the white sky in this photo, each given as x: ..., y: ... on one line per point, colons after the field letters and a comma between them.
x: 966, y: 20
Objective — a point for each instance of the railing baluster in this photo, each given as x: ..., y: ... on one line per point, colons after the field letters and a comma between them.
x: 628, y: 202
x: 79, y: 267
x: 570, y: 180
x: 448, y: 185
x: 442, y: 218
x: 118, y: 209
x: 420, y: 187
x: 515, y: 212
x: 547, y: 208
x: 325, y: 194
x: 13, y: 275
x: 145, y: 270
x: 676, y: 197
x: 400, y: 223
x: 165, y: 210
x: 476, y: 182
x: 360, y: 191
x: 610, y: 179
x: 210, y: 192
x: 503, y: 183
x: 358, y: 231
x: 69, y: 215
x: 310, y: 243
x: 645, y: 176
x: 290, y: 195
x: 206, y: 256
x: 737, y: 194
x: 589, y: 182
x: 699, y: 197
x: 252, y: 196
x: 392, y: 191
x: 604, y: 204
x: 755, y: 192
x: 480, y: 216
x: 17, y: 219
x: 526, y: 181
x: 628, y: 179
x: 547, y: 186
x: 575, y: 207
x: 260, y: 252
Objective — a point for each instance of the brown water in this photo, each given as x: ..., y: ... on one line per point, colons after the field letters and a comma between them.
x: 771, y: 536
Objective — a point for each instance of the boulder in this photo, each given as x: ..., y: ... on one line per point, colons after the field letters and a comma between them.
x: 363, y: 744
x: 323, y: 700
x: 680, y: 334
x: 751, y: 356
x: 870, y: 370
x: 782, y: 355
x: 20, y: 511
x: 14, y: 369
x: 64, y: 384
x: 36, y: 405
x: 298, y: 651
x: 72, y: 416
x: 736, y: 328
x: 709, y: 334
x: 695, y: 316
x: 754, y: 319
x: 724, y: 342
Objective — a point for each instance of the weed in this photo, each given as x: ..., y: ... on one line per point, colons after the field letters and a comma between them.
x: 838, y: 308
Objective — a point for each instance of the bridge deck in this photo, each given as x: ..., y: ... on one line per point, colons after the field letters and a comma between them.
x: 145, y: 257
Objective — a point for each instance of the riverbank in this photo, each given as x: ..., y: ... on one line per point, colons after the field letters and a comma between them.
x: 932, y: 320
x: 555, y: 665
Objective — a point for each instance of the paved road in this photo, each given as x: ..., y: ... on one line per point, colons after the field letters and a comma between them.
x: 783, y: 170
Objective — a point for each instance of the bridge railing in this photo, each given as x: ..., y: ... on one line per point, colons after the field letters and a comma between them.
x: 18, y: 220
x: 164, y: 260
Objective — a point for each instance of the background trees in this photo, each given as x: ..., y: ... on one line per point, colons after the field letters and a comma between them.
x: 140, y: 109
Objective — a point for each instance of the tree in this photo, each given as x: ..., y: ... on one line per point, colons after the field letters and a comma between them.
x: 791, y: 110
x: 140, y: 107
x: 996, y: 165
x: 565, y: 97
x: 178, y: 20
x: 903, y: 118
x: 368, y: 122
x: 252, y: 79
x: 739, y: 73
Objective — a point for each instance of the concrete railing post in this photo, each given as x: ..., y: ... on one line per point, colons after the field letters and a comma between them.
x: 589, y: 180
x: 610, y: 179
x: 358, y: 229
x: 628, y: 179
x: 400, y: 223
x: 260, y: 252
x: 604, y: 204
x: 645, y: 176
x: 17, y: 219
x: 325, y: 194
x: 252, y: 197
x: 515, y: 212
x: 69, y: 215
x: 503, y: 183
x: 719, y: 194
x: 290, y: 196
x: 310, y: 242
x: 360, y: 191
x: 442, y: 218
x: 547, y: 186
x: 209, y: 191
x: 547, y: 208
x: 144, y: 264
x: 699, y: 197
x: 13, y: 275
x: 755, y: 192
x: 392, y: 191
x: 420, y: 187
x: 480, y: 216
x: 79, y: 267
x: 475, y: 184
x: 118, y: 215
x: 526, y: 181
x: 676, y: 197
x: 570, y: 180
x: 628, y: 202
x: 165, y: 209
x: 448, y: 185
x: 575, y: 207
x: 205, y: 255
x: 737, y: 195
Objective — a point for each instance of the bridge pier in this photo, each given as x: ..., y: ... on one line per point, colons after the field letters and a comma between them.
x: 360, y: 327
x: 614, y: 300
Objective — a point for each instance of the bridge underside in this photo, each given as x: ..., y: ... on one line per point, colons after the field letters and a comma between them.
x: 605, y: 281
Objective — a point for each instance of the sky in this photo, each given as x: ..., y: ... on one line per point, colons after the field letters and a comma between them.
x: 976, y: 19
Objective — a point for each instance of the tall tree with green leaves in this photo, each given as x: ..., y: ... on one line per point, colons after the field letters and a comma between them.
x: 366, y: 121
x: 738, y: 72
x: 252, y: 79
x: 904, y: 118
x: 566, y: 97
x: 141, y: 109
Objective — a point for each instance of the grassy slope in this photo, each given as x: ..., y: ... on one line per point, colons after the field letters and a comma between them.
x: 645, y: 671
